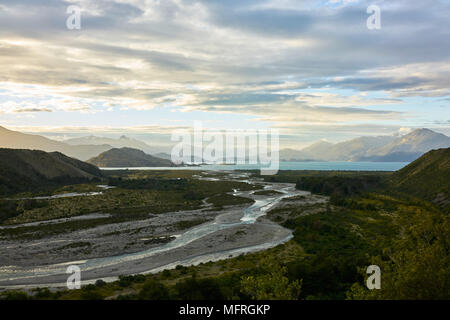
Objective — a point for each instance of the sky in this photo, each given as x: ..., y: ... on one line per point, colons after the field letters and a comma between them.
x: 144, y: 68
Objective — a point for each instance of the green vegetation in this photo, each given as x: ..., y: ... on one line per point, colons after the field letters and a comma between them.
x: 271, y: 283
x: 25, y: 170
x: 340, y: 185
x: 428, y: 178
x: 266, y: 193
x: 181, y: 225
x: 219, y: 201
x: 136, y: 195
x: 417, y: 264
x: 293, y: 176
x: 325, y: 260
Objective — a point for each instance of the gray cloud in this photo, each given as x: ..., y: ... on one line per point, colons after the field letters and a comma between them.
x: 28, y: 110
x: 246, y: 56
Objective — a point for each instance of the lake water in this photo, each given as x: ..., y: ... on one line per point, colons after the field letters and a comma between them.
x: 312, y: 165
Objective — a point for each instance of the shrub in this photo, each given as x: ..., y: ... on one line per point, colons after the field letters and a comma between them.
x: 153, y: 290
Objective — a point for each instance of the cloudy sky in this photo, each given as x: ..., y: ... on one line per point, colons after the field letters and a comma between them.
x: 140, y: 67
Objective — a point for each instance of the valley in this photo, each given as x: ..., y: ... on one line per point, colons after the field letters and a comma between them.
x: 149, y: 240
x: 178, y: 234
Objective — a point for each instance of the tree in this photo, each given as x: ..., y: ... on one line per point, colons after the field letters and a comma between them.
x: 153, y: 290
x: 271, y: 284
x: 418, y: 266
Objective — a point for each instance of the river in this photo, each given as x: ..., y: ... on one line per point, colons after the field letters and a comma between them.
x: 187, y: 248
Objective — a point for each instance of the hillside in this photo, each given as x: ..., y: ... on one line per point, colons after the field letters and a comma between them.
x: 428, y: 177
x: 25, y: 170
x: 17, y: 140
x: 128, y: 157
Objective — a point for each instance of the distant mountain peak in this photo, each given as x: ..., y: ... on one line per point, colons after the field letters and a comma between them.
x: 414, y: 143
x: 421, y: 131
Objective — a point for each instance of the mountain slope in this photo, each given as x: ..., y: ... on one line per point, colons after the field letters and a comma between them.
x: 317, y: 150
x: 17, y: 140
x: 24, y: 170
x: 128, y: 157
x: 122, y: 142
x: 352, y: 150
x: 427, y: 177
x: 417, y: 142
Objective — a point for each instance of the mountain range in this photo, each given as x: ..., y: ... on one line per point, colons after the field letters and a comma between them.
x: 382, y: 148
x: 120, y: 142
x: 404, y: 148
x: 17, y: 140
x: 128, y: 157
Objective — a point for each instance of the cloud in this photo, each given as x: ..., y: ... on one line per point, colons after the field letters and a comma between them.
x: 28, y: 110
x: 403, y: 131
x: 11, y: 107
x: 284, y: 62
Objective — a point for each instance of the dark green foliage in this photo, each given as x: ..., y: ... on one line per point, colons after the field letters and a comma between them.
x: 321, y: 234
x: 335, y: 252
x: 227, y: 199
x: 14, y: 295
x: 181, y: 269
x: 91, y: 295
x: 30, y: 204
x: 324, y: 277
x: 149, y: 183
x: 8, y: 209
x: 100, y: 283
x: 294, y: 175
x: 266, y: 193
x: 416, y: 264
x: 42, y: 293
x: 153, y: 290
x: 199, y: 289
x: 340, y: 185
x: 125, y: 281
x: 193, y: 195
x: 166, y: 273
